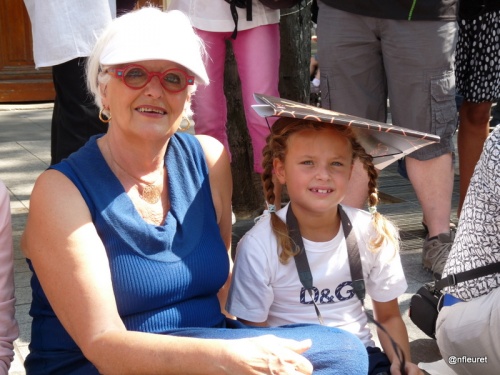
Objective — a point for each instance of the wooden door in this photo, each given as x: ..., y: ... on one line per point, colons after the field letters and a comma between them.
x: 19, y: 80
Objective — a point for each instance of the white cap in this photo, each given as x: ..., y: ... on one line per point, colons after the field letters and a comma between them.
x: 150, y: 34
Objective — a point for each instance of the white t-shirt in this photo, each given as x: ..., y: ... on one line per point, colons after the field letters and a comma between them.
x: 215, y: 15
x: 64, y: 30
x: 264, y: 289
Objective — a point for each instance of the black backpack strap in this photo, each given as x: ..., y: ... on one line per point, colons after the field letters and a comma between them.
x: 356, y: 268
x: 454, y: 279
x: 249, y: 10
x: 234, y: 14
x: 358, y: 281
x: 300, y: 259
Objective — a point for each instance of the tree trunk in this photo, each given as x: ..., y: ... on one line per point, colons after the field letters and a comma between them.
x: 295, y: 28
x: 248, y: 199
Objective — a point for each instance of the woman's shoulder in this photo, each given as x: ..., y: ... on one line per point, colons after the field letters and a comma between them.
x: 212, y: 148
x: 207, y: 142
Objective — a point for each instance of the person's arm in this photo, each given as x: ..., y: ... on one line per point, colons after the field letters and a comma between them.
x: 221, y: 184
x: 389, y: 316
x: 252, y: 294
x: 9, y: 329
x: 255, y: 324
x: 72, y: 266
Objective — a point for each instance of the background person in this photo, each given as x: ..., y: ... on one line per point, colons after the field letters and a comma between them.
x: 9, y: 330
x: 64, y: 32
x: 257, y: 53
x: 129, y: 237
x: 478, y: 81
x: 469, y: 322
x: 370, y: 51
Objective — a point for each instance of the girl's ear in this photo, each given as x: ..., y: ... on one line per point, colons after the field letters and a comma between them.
x: 279, y: 171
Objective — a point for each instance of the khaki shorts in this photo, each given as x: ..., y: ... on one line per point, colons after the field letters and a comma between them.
x: 469, y: 332
x: 364, y: 60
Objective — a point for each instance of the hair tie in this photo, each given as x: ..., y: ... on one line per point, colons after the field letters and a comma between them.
x: 271, y: 208
x: 372, y: 209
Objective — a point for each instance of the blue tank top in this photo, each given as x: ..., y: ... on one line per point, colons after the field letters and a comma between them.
x: 164, y: 277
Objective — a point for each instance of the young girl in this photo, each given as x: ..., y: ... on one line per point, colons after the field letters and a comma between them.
x: 314, y: 160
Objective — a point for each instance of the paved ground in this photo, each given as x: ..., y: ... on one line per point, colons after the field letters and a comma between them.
x: 25, y: 153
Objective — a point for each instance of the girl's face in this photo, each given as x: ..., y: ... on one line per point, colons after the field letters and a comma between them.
x: 150, y: 112
x: 316, y: 170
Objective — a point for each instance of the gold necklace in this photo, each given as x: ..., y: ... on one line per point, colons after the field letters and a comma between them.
x: 151, y: 191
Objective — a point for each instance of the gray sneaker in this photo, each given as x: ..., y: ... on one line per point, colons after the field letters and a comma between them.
x: 435, y: 252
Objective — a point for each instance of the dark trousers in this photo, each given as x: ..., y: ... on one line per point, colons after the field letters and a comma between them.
x: 378, y: 363
x: 76, y: 117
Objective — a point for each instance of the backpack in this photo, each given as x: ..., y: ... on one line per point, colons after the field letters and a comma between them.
x: 273, y: 4
x: 280, y: 4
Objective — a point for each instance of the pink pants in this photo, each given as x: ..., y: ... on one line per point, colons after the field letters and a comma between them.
x: 257, y: 53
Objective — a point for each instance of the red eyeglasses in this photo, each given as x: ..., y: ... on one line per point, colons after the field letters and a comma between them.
x: 137, y: 76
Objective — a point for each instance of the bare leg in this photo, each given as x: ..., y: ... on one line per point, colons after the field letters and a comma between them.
x: 472, y: 133
x: 432, y: 181
x: 357, y: 190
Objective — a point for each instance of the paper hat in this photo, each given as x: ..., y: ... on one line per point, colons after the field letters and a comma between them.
x: 385, y: 142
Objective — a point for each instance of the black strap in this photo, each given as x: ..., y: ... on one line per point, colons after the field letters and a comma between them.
x: 302, y: 264
x: 358, y: 281
x: 249, y: 10
x: 301, y: 261
x: 234, y: 14
x: 356, y: 268
x: 454, y: 279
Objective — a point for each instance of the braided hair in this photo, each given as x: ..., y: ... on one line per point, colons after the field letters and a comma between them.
x: 276, y: 148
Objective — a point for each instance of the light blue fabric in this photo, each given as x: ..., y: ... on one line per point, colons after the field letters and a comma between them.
x: 333, y: 351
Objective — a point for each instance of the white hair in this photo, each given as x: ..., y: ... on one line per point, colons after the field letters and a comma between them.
x: 96, y: 72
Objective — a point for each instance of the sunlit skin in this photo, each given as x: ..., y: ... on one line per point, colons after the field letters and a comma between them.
x: 142, y: 120
x: 316, y: 171
x: 150, y: 113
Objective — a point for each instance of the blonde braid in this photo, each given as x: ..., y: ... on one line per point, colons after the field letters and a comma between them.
x: 267, y: 174
x: 276, y: 146
x: 386, y: 231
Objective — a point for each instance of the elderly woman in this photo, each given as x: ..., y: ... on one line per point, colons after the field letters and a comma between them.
x: 129, y: 237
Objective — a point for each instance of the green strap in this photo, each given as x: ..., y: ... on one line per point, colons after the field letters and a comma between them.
x: 410, y: 15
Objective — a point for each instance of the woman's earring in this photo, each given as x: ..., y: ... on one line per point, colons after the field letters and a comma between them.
x: 103, y: 117
x: 188, y: 125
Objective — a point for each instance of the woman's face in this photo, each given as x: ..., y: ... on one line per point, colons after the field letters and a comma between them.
x: 149, y: 112
x: 316, y: 169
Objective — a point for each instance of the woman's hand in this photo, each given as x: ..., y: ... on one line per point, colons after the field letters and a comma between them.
x: 268, y: 355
